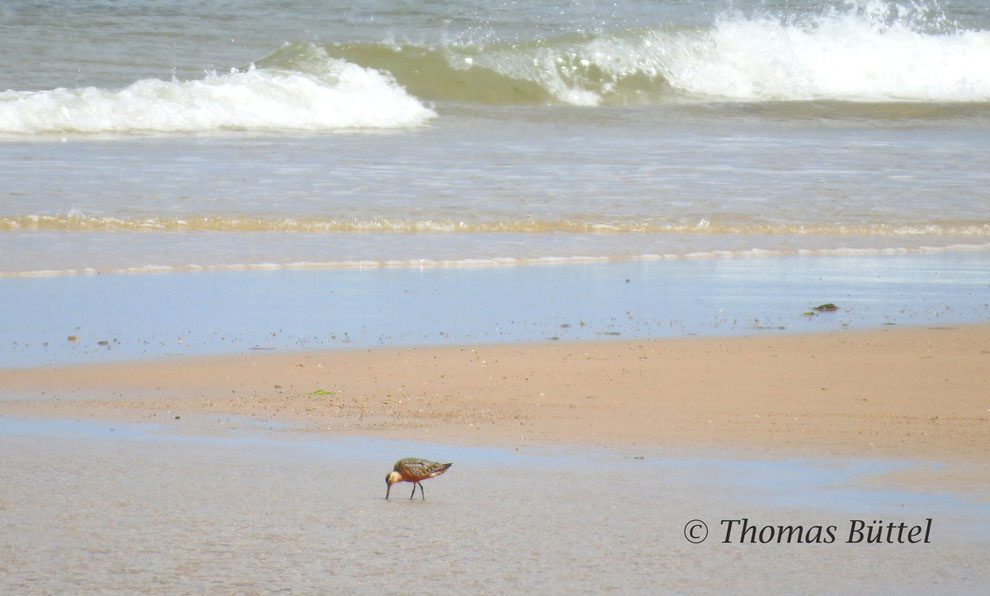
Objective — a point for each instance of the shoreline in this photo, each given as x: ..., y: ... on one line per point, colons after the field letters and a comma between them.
x: 901, y: 392
x: 136, y: 318
x: 947, y: 249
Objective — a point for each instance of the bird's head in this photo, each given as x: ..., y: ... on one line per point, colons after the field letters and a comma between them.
x: 390, y: 479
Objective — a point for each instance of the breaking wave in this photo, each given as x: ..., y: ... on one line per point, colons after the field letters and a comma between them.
x: 871, y: 51
x: 331, y: 96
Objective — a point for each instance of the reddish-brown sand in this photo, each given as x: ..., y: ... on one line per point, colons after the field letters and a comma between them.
x: 886, y: 392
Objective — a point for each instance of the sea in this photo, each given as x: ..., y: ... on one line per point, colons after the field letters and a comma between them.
x: 189, y: 177
x: 155, y: 150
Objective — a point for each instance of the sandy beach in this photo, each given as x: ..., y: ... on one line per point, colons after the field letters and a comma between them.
x: 887, y: 392
x: 263, y: 471
x: 252, y: 256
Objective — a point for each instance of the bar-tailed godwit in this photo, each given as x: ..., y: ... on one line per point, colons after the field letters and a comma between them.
x: 413, y: 469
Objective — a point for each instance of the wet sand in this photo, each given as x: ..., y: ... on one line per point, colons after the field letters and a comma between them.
x: 111, y: 507
x: 117, y: 318
x: 578, y: 467
x: 902, y: 392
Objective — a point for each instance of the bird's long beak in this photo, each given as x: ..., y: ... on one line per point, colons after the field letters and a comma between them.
x: 388, y: 490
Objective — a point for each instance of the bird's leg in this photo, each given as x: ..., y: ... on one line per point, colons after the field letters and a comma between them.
x: 414, y: 491
x: 422, y: 493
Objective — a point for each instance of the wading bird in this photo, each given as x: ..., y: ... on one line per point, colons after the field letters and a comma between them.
x: 413, y: 469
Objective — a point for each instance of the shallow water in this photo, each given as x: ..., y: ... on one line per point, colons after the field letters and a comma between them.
x: 99, y: 506
x: 124, y: 317
x: 405, y: 173
x: 402, y: 173
x: 540, y: 187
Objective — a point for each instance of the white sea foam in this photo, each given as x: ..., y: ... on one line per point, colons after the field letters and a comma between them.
x: 345, y: 96
x: 873, y: 51
x: 494, y: 261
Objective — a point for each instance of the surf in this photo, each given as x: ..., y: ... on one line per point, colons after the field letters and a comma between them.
x: 874, y: 52
x: 339, y: 95
x: 866, y: 51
